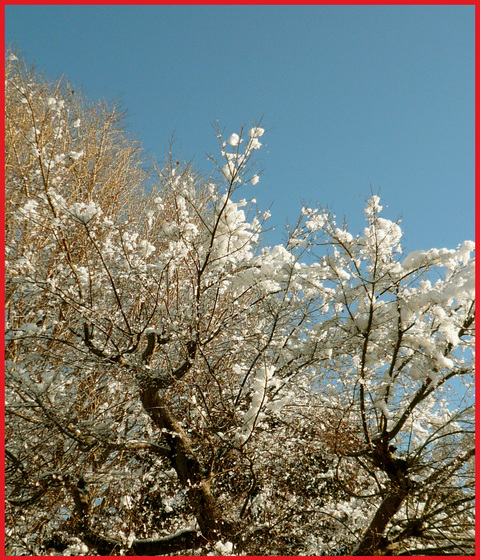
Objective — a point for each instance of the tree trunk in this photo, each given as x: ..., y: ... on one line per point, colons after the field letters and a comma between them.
x: 186, y: 465
x: 400, y: 486
x: 370, y: 541
x: 373, y: 535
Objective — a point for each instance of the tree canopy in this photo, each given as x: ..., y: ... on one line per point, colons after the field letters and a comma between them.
x: 174, y: 385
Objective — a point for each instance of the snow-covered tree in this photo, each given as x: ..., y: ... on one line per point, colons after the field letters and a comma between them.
x: 174, y: 385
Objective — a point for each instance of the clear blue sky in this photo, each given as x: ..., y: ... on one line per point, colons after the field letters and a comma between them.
x: 352, y: 97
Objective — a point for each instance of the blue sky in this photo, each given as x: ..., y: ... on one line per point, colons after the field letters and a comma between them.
x: 353, y: 98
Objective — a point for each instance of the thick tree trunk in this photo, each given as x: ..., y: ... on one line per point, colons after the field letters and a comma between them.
x: 371, y: 539
x: 186, y: 465
x: 181, y: 454
x: 400, y: 486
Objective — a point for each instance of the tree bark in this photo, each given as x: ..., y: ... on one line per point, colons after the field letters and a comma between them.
x: 372, y: 537
x: 400, y: 486
x: 183, y: 540
x: 186, y: 465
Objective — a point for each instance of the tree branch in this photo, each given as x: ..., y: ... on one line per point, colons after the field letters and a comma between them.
x: 182, y: 540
